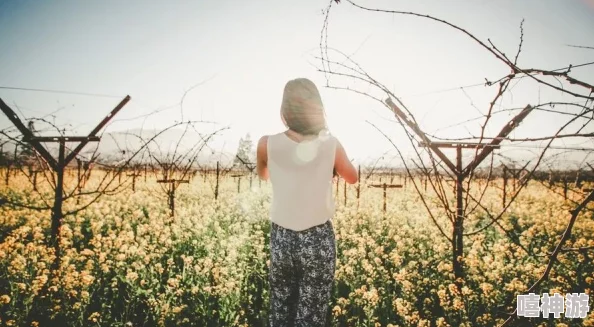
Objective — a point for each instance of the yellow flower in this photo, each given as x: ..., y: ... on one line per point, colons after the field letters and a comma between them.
x: 336, y: 311
x: 131, y: 276
x: 4, y: 299
x: 94, y: 317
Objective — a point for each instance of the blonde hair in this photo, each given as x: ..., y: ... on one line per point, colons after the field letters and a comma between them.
x: 302, y: 107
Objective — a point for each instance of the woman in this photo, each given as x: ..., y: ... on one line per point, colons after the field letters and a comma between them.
x: 300, y: 163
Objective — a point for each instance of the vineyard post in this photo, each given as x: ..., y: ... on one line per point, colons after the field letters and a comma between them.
x: 35, y: 180
x: 217, y: 183
x: 514, y: 179
x: 578, y: 181
x: 460, y: 172
x: 16, y: 158
x: 173, y: 184
x: 238, y: 178
x: 458, y: 235
x: 78, y: 170
x: 385, y: 186
x: 134, y: 175
x: 516, y: 174
x: 58, y: 166
x: 504, y: 192
x: 565, y: 186
x: 78, y: 176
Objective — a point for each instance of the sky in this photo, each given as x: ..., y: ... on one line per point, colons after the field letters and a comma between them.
x: 241, y: 54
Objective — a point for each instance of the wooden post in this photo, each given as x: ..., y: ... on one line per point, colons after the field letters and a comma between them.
x: 35, y: 181
x: 59, y: 165
x: 173, y: 184
x: 460, y: 174
x: 78, y: 171
x: 578, y: 180
x: 217, y: 183
x: 238, y: 177
x: 565, y: 186
x: 458, y: 170
x: 134, y: 175
x: 385, y: 186
x: 57, y: 208
x: 504, y: 192
x: 172, y: 199
x: 458, y: 233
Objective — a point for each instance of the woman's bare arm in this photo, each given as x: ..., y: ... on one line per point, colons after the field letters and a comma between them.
x: 343, y: 165
x: 262, y: 158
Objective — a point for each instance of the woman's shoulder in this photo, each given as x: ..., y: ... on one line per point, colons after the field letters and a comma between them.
x: 332, y: 138
x: 263, y: 140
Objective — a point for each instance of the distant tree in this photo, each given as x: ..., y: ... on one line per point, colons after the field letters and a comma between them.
x: 245, y: 156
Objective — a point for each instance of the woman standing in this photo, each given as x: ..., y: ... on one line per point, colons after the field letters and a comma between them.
x: 300, y: 163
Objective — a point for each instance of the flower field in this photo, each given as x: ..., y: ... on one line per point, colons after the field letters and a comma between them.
x: 126, y: 262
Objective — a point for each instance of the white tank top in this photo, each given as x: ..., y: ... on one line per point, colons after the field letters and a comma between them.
x: 301, y: 177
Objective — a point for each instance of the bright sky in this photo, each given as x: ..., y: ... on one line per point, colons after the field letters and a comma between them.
x: 156, y: 50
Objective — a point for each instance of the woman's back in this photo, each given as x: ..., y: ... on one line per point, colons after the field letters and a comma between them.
x: 301, y: 177
x: 302, y: 241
